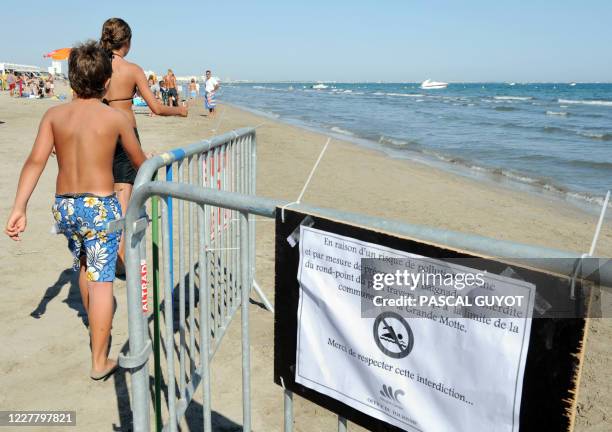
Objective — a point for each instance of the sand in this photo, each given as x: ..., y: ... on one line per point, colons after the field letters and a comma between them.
x: 44, y: 360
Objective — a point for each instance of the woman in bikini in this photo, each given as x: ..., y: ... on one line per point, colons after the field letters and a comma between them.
x: 127, y: 78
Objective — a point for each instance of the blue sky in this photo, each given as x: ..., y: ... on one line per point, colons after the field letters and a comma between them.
x: 338, y: 40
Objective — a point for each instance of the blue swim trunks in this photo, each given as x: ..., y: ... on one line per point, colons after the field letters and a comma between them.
x: 83, y: 219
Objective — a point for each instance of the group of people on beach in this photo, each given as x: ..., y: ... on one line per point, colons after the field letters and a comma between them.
x: 98, y: 151
x: 21, y: 84
x: 166, y: 90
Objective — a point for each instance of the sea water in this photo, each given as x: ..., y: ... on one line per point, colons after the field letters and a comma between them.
x: 549, y: 137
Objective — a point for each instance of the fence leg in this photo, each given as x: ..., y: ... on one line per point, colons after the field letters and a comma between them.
x: 170, y: 227
x: 246, y: 289
x: 168, y: 316
x: 140, y: 375
x: 204, y: 320
x: 288, y: 400
x: 156, y: 343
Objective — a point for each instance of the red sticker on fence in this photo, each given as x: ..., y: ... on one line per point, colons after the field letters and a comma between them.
x: 143, y: 286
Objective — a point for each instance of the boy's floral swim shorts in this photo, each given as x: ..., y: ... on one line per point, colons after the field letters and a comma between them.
x: 83, y: 219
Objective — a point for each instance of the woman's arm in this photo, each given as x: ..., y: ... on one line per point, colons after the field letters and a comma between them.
x: 149, y: 97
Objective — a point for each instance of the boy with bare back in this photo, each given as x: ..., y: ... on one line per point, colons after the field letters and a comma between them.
x: 84, y: 134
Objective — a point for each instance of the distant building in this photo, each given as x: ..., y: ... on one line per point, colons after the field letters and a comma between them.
x: 18, y: 67
x: 55, y: 68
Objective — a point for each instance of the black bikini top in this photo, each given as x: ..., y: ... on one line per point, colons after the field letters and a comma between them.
x: 131, y: 98
x: 107, y: 102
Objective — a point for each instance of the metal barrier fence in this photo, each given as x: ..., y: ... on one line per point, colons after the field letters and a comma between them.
x: 225, y: 270
x: 228, y: 163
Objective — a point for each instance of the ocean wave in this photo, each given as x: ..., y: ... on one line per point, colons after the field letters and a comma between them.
x: 597, y: 136
x: 569, y: 162
x: 557, y: 113
x: 555, y: 129
x: 405, y: 94
x: 591, y: 164
x: 342, y: 131
x: 541, y: 183
x: 518, y: 98
x: 585, y: 102
x: 258, y: 87
x: 505, y: 108
x: 393, y: 142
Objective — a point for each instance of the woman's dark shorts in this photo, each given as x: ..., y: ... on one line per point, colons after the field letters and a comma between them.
x: 123, y: 170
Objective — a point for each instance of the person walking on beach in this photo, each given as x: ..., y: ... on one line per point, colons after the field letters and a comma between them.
x: 193, y: 90
x: 127, y: 78
x: 210, y: 86
x: 170, y: 81
x: 21, y: 81
x: 84, y: 134
x: 11, y: 80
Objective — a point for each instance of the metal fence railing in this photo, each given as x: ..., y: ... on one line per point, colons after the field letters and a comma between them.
x: 228, y: 163
x: 220, y: 275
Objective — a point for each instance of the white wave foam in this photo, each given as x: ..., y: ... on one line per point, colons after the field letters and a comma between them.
x: 258, y: 87
x: 513, y: 97
x: 378, y: 94
x: 342, y: 131
x: 596, y: 136
x: 395, y: 142
x: 586, y: 102
x: 557, y: 113
x: 405, y: 94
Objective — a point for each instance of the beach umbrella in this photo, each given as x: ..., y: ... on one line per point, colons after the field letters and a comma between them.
x: 58, y: 54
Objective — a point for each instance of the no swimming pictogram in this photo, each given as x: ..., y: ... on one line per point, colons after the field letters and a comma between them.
x: 393, y: 335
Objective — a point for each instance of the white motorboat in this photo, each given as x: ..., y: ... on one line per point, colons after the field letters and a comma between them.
x: 431, y: 85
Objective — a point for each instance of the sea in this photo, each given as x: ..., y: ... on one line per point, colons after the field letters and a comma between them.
x: 554, y: 138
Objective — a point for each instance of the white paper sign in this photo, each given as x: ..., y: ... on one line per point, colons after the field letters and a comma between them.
x: 453, y: 379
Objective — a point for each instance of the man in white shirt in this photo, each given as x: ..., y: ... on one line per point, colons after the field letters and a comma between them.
x: 211, y: 86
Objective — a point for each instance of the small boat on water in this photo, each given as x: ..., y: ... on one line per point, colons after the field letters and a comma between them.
x: 431, y: 85
x: 573, y: 84
x: 319, y: 86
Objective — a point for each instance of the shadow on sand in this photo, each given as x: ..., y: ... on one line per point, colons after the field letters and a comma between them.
x: 193, y: 416
x: 73, y: 298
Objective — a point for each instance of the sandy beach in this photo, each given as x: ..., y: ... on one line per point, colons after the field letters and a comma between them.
x: 44, y: 360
